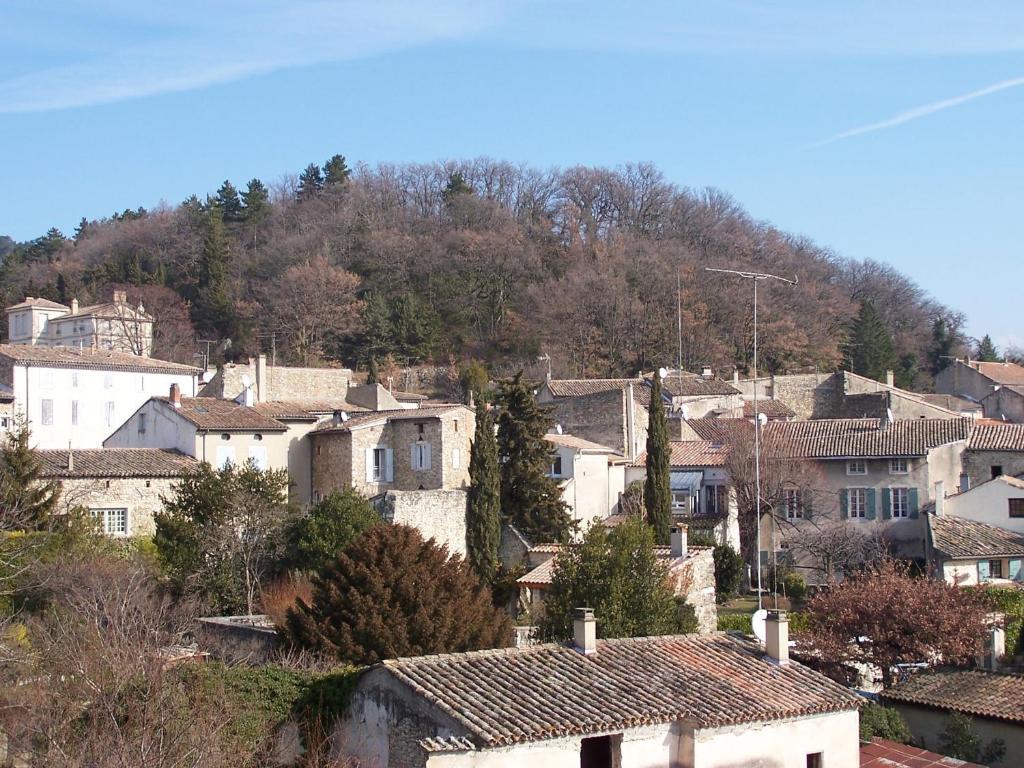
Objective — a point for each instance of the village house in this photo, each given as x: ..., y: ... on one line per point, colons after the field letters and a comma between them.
x: 591, y: 476
x: 993, y: 450
x: 966, y: 552
x: 697, y: 395
x: 976, y: 380
x: 611, y: 412
x: 113, y: 325
x: 699, y: 701
x: 1005, y: 404
x: 120, y: 487
x: 992, y: 700
x: 78, y: 397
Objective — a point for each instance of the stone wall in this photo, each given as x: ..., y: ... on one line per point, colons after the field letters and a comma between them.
x: 978, y: 464
x: 439, y: 515
x: 279, y: 382
x: 694, y: 579
x: 602, y: 418
x: 140, y: 496
x: 237, y: 639
x: 810, y: 395
x: 1005, y: 403
x: 513, y: 548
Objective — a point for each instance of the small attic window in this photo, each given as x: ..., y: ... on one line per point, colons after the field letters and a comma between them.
x: 225, y: 436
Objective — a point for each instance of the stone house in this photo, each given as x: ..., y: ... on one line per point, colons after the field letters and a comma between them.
x: 994, y: 449
x: 1005, y: 404
x: 113, y: 325
x: 976, y: 380
x: 78, y: 397
x: 120, y: 487
x: 966, y: 552
x: 700, y: 701
x: 610, y: 412
x: 277, y: 382
x: 992, y: 700
x: 591, y: 476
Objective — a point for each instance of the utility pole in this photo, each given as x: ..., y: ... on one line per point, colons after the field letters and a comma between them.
x: 755, y: 278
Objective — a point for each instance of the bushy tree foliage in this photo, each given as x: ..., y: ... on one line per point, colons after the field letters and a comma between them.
x: 617, y: 573
x: 390, y: 594
x: 221, y: 534
x: 877, y: 721
x: 728, y: 572
x: 869, y: 348
x: 987, y: 351
x: 229, y: 202
x: 883, y: 616
x: 657, y: 492
x: 311, y: 182
x: 530, y: 498
x: 331, y: 525
x: 25, y: 498
x: 483, y: 509
x: 336, y: 172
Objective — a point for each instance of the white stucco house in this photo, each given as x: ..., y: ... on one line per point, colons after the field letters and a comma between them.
x: 111, y: 325
x: 693, y: 701
x: 78, y: 397
x: 591, y: 476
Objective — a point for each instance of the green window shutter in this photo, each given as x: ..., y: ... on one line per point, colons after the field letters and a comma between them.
x: 869, y: 503
x: 886, y: 503
x: 912, y: 493
x: 807, y: 501
x: 844, y: 502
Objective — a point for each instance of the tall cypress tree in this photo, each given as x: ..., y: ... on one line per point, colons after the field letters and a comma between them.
x: 657, y: 493
x: 869, y: 349
x: 483, y: 512
x: 987, y: 352
x: 213, y: 309
x: 530, y: 497
x: 23, y: 495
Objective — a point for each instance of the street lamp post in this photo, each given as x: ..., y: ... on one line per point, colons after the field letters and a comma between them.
x: 755, y: 278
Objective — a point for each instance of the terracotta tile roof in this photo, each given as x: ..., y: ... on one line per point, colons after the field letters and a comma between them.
x: 971, y: 691
x: 367, y: 418
x: 578, y: 443
x: 692, y: 453
x: 997, y: 437
x: 215, y: 414
x: 1000, y: 373
x: 40, y: 303
x: 773, y: 409
x: 839, y: 438
x: 693, y: 385
x: 958, y: 538
x: 587, y: 387
x: 115, y: 462
x: 72, y: 357
x: 449, y: 744
x: 514, y: 695
x: 716, y: 430
x: 882, y: 753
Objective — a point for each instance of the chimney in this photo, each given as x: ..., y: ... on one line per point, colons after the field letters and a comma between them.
x: 940, y: 497
x: 71, y: 459
x: 120, y: 297
x: 965, y: 482
x: 995, y: 647
x: 889, y: 379
x: 706, y: 372
x: 735, y: 377
x: 176, y: 395
x: 777, y: 637
x: 247, y: 396
x: 584, y: 631
x: 74, y: 306
x: 678, y: 542
x: 262, y: 385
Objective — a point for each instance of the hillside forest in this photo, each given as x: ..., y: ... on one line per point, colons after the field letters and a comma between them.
x: 450, y: 261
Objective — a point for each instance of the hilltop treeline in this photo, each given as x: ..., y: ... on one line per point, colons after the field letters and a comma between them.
x: 482, y: 259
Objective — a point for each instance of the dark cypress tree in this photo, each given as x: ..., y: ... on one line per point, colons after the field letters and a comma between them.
x: 657, y: 493
x: 944, y: 342
x: 483, y: 511
x: 311, y: 181
x: 229, y: 202
x: 987, y: 352
x: 869, y: 349
x: 530, y: 498
x: 62, y: 289
x: 213, y: 309
x: 372, y: 374
x: 26, y: 499
x: 336, y: 172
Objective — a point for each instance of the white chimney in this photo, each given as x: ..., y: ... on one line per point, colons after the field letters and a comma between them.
x: 889, y: 379
x: 707, y: 373
x: 996, y: 646
x: 176, y: 395
x: 678, y: 542
x: 74, y: 306
x: 584, y: 631
x: 735, y: 376
x: 262, y: 383
x: 777, y: 637
x: 247, y: 396
x: 940, y: 497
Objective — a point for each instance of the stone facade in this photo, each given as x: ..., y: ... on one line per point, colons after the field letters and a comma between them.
x: 603, y: 418
x: 810, y: 395
x: 278, y: 382
x: 980, y: 466
x: 439, y: 515
x: 139, y: 496
x: 237, y: 639
x: 693, y: 578
x: 1005, y: 403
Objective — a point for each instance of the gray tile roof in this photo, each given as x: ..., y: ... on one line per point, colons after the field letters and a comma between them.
x: 115, y: 463
x: 839, y: 438
x: 773, y: 409
x: 214, y: 414
x: 72, y: 357
x: 588, y: 387
x: 693, y: 385
x: 971, y: 691
x: 40, y: 303
x: 367, y: 418
x: 997, y: 437
x: 514, y: 695
x: 960, y: 538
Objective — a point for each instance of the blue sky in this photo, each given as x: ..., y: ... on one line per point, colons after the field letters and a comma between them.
x: 881, y: 130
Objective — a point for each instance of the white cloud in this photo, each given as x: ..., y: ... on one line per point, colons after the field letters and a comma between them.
x: 189, y: 44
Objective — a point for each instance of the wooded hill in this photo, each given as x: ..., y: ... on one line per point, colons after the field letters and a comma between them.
x: 480, y: 259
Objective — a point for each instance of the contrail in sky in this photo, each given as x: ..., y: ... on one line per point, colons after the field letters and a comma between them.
x: 924, y: 111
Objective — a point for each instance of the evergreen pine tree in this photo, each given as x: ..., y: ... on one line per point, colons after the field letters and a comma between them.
x: 530, y: 497
x: 82, y: 230
x: 24, y: 496
x: 483, y: 510
x: 336, y: 172
x: 256, y: 205
x: 869, y: 349
x: 229, y: 202
x: 456, y: 186
x: 213, y: 309
x: 987, y: 352
x: 311, y: 181
x: 657, y: 493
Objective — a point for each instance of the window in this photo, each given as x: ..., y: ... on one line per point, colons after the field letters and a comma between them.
x: 1016, y: 507
x: 996, y: 470
x: 46, y: 406
x: 420, y: 428
x: 420, y: 456
x: 74, y: 413
x: 814, y: 760
x: 456, y: 458
x: 857, y: 499
x: 225, y: 455
x: 556, y: 465
x: 900, y: 502
x: 681, y: 500
x: 601, y: 751
x: 455, y: 424
x: 856, y: 467
x: 110, y: 413
x: 114, y: 522
x: 142, y: 423
x: 791, y: 502
x: 716, y: 499
x: 990, y: 569
x: 257, y: 437
x: 379, y: 457
x: 898, y: 466
x: 258, y: 455
x: 1014, y: 571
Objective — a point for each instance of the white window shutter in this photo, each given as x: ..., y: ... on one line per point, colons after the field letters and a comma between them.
x: 426, y: 456
x: 389, y: 465
x: 369, y: 465
x: 414, y: 459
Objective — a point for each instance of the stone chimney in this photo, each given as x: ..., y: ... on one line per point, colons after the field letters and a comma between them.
x: 706, y: 372
x: 889, y: 379
x: 678, y: 542
x: 777, y: 637
x: 176, y: 395
x: 736, y: 377
x: 262, y: 384
x: 74, y: 306
x: 120, y: 297
x: 584, y: 631
x: 71, y: 459
x: 940, y: 497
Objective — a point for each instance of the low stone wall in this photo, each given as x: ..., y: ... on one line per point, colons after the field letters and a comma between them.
x: 694, y: 579
x: 237, y: 639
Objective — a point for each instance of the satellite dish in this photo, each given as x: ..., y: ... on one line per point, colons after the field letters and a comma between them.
x: 345, y: 416
x: 758, y: 622
x: 663, y: 372
x: 246, y: 381
x: 558, y: 429
x: 762, y: 418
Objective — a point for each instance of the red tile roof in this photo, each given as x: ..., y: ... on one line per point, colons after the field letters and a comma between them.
x: 971, y: 691
x: 72, y: 357
x: 692, y: 453
x: 1000, y: 373
x: 882, y: 753
x: 515, y: 695
x: 214, y: 414
x: 997, y: 437
x: 115, y: 462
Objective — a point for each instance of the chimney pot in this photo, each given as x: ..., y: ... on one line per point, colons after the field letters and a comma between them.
x: 74, y: 306
x: 707, y: 373
x: 777, y: 637
x: 176, y: 395
x: 678, y: 541
x: 584, y: 631
x: 889, y: 379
